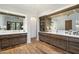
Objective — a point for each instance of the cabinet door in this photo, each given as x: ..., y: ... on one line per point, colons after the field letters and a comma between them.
x: 52, y: 40
x: 0, y: 43
x: 55, y: 40
x: 73, y: 45
x: 47, y: 38
x: 61, y: 42
x: 12, y: 41
x: 5, y: 43
x: 18, y: 39
x: 22, y: 39
x: 43, y: 38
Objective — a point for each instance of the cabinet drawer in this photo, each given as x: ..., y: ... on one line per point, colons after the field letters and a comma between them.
x: 43, y: 38
x: 73, y: 47
x: 73, y: 39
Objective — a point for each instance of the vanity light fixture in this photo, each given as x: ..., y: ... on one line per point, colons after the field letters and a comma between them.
x: 22, y: 26
x: 77, y: 25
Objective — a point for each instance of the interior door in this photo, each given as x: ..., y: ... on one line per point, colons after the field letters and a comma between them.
x: 68, y: 24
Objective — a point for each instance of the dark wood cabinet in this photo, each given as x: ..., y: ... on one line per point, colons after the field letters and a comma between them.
x: 43, y: 37
x: 5, y: 43
x: 12, y: 40
x: 61, y: 42
x: 70, y: 44
x: 73, y: 45
x: 56, y: 40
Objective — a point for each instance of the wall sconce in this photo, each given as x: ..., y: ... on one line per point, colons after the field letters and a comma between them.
x: 77, y: 26
x: 22, y: 26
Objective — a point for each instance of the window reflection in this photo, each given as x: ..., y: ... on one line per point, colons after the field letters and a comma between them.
x: 9, y: 22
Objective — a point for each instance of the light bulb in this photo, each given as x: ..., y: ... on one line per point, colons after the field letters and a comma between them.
x: 77, y: 26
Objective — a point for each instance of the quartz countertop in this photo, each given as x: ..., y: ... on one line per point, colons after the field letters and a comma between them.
x: 11, y: 32
x: 62, y: 33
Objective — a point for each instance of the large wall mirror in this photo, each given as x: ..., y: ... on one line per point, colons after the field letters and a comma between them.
x: 64, y: 20
x: 11, y: 22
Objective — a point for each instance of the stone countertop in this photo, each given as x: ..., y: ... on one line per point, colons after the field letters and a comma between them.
x: 62, y: 33
x: 9, y: 33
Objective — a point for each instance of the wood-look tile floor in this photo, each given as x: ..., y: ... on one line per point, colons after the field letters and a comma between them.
x: 36, y: 47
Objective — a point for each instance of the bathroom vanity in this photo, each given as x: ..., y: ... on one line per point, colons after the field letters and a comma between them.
x: 66, y: 42
x: 12, y: 31
x: 12, y: 39
x: 61, y: 29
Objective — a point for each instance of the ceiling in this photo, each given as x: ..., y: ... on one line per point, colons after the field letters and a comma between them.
x: 31, y: 8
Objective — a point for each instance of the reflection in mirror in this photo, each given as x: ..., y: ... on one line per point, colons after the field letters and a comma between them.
x: 8, y: 22
x: 63, y: 22
x: 66, y: 22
